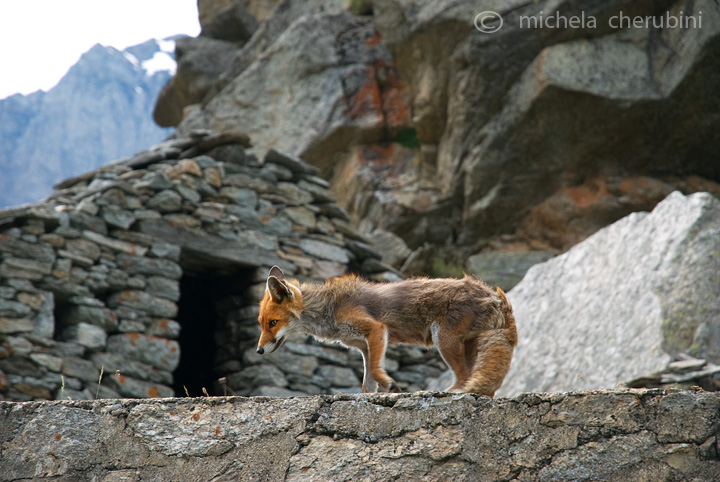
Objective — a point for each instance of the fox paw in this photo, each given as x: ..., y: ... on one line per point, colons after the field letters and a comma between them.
x: 393, y: 388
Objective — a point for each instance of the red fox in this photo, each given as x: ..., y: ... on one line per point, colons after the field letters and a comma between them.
x: 470, y: 324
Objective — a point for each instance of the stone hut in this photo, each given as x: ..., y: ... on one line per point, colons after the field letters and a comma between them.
x: 142, y: 278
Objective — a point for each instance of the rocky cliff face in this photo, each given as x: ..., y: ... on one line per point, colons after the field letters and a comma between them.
x: 614, y: 435
x: 99, y: 111
x: 524, y: 141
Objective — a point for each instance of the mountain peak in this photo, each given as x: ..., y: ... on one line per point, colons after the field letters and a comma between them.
x: 100, y: 110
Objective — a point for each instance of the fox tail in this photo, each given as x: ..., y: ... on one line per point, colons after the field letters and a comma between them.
x: 507, y: 311
x: 494, y: 354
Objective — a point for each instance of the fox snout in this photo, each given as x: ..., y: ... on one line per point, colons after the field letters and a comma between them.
x: 270, y: 346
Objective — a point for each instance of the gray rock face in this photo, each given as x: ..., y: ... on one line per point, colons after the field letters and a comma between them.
x: 311, y: 91
x: 613, y: 435
x: 621, y: 303
x: 443, y: 135
x: 527, y: 111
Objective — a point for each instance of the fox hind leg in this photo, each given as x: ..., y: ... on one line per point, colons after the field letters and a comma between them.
x: 452, y: 351
x: 492, y: 361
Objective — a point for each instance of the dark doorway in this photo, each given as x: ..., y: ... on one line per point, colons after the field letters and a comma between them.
x: 203, y: 312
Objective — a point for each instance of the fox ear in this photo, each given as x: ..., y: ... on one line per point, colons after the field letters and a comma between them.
x: 278, y: 289
x: 276, y: 272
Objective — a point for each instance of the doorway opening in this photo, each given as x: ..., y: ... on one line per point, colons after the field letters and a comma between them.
x: 206, y: 309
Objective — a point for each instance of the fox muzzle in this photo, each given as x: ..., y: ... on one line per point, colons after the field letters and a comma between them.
x: 271, y: 346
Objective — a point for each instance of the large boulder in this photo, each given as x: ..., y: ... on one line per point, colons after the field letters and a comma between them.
x: 622, y: 303
x: 200, y: 61
x: 226, y: 20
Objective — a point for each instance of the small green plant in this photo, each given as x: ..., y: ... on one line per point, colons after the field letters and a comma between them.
x: 62, y: 387
x: 444, y: 267
x: 408, y: 138
x: 360, y: 7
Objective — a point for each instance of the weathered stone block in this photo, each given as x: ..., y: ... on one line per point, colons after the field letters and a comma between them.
x: 62, y: 349
x: 16, y: 345
x: 140, y: 300
x: 115, y: 244
x: 36, y: 391
x: 84, y: 221
x: 240, y: 196
x: 285, y: 360
x: 164, y: 328
x: 323, y: 250
x: 33, y: 300
x: 156, y: 181
x: 290, y: 161
x: 161, y: 249
x: 70, y: 394
x: 149, y: 266
x: 41, y: 253
x: 161, y: 353
x: 16, y: 325
x: 82, y: 370
x: 25, y: 268
x: 20, y: 366
x: 51, y: 362
x: 335, y: 376
x: 116, y: 216
x: 319, y: 193
x: 114, y: 364
x: 76, y: 259
x: 301, y: 215
x: 293, y: 193
x: 163, y: 287
x: 13, y: 309
x: 64, y: 289
x: 256, y: 375
x: 335, y: 354
x: 94, y: 315
x: 134, y: 388
x: 166, y: 201
x: 90, y: 336
x: 185, y: 166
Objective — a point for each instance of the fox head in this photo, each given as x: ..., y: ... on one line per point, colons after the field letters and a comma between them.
x: 281, y: 305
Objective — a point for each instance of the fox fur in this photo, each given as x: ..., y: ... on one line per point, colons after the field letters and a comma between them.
x: 471, y: 325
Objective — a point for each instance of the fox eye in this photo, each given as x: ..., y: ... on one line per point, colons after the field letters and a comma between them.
x: 273, y: 323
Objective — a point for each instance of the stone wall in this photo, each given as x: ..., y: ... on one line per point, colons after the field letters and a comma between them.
x: 610, y: 435
x: 142, y: 279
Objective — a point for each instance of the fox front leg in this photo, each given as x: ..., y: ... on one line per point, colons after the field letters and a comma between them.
x: 372, y: 342
x: 368, y: 384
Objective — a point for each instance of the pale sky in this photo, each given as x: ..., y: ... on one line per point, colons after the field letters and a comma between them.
x: 41, y: 39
